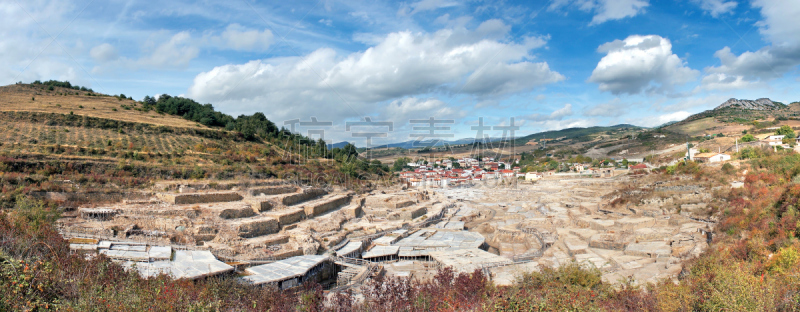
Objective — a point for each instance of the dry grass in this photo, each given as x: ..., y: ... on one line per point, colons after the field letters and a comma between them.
x: 22, y: 133
x: 697, y: 127
x: 64, y: 101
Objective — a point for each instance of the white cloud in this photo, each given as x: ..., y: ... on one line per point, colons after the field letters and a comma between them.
x: 560, y: 124
x: 453, y: 61
x: 780, y: 24
x: 721, y: 81
x: 425, y: 5
x: 177, y: 52
x: 695, y: 103
x: 613, y: 108
x: 716, y: 7
x: 655, y: 121
x: 240, y: 38
x: 604, y: 10
x: 768, y: 62
x: 104, y: 53
x: 617, y: 9
x: 326, y: 22
x: 558, y: 114
x: 640, y: 63
x: 27, y: 51
x: 402, y: 110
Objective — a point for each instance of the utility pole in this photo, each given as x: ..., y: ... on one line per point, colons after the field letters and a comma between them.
x: 737, y: 145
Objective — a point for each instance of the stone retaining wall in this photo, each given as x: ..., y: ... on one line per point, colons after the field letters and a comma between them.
x: 353, y: 211
x: 260, y: 204
x: 289, y: 216
x: 408, y: 214
x: 385, y: 201
x: 260, y: 227
x: 273, y: 190
x: 200, y: 198
x: 307, y: 194
x: 324, y: 206
x: 237, y: 213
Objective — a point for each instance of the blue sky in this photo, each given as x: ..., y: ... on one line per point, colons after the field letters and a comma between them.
x: 547, y: 64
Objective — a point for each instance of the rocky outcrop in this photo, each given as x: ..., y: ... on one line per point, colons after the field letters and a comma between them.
x: 759, y: 104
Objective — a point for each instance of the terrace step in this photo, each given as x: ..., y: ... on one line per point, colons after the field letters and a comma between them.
x: 326, y: 204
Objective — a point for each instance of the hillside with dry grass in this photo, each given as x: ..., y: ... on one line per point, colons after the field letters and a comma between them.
x: 101, y: 143
x: 33, y: 98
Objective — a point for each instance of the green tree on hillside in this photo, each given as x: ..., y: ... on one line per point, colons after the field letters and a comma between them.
x: 400, y: 164
x: 787, y: 131
x: 748, y: 138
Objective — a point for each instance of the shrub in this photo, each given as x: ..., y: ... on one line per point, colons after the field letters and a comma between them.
x: 747, y: 138
x: 728, y: 168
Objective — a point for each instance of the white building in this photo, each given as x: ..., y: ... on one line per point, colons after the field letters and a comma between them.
x: 712, y: 157
x: 532, y: 176
x: 774, y: 140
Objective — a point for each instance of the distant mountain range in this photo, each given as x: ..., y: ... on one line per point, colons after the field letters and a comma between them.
x: 339, y: 145
x: 568, y: 133
x: 411, y: 143
x: 571, y: 133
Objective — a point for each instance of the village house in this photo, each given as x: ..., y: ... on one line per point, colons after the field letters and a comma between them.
x: 507, y: 173
x: 712, y: 157
x: 638, y: 167
x: 774, y: 140
x: 532, y: 176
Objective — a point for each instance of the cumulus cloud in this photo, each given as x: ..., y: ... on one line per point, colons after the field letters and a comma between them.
x: 176, y: 52
x: 604, y: 10
x: 104, y: 53
x: 640, y: 63
x: 182, y: 47
x: 721, y: 81
x: 750, y: 68
x: 613, y: 108
x: 694, y: 103
x: 26, y: 55
x: 402, y: 110
x: 237, y: 37
x: 559, y: 124
x: 716, y: 7
x: 558, y: 114
x: 453, y: 61
x: 780, y: 24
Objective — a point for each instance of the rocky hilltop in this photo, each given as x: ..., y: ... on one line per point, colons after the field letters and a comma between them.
x: 759, y: 104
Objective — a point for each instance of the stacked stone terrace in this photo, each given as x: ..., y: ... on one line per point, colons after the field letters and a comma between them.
x: 558, y: 222
x: 259, y: 222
